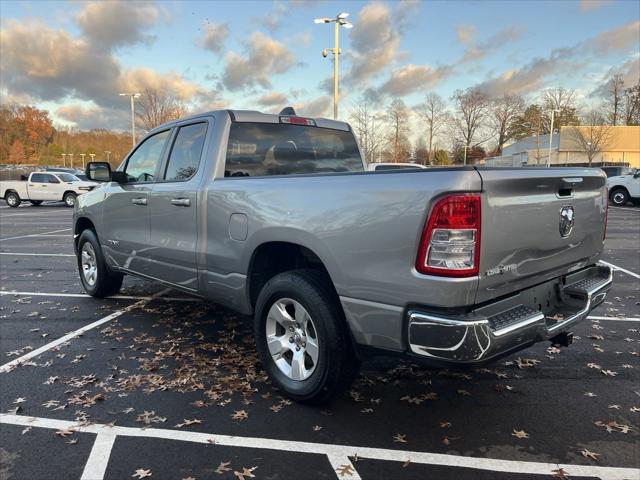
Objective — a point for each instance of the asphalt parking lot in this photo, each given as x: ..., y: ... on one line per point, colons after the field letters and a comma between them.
x: 153, y: 384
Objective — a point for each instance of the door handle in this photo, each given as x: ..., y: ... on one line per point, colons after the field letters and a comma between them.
x: 139, y: 201
x: 181, y: 202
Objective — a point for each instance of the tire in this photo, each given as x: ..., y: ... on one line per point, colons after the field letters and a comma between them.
x: 69, y: 199
x: 36, y: 203
x: 619, y: 197
x: 99, y: 282
x: 335, y: 366
x: 12, y: 199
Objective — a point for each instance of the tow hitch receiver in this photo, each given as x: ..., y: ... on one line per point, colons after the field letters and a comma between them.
x: 564, y: 339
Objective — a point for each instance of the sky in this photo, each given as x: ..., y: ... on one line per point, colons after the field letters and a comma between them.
x: 73, y: 58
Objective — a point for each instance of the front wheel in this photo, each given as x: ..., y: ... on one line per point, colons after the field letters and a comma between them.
x: 619, y: 197
x: 97, y: 279
x: 302, y: 338
x: 69, y: 199
x: 12, y: 199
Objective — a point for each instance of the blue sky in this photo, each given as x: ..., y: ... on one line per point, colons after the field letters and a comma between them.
x: 73, y: 57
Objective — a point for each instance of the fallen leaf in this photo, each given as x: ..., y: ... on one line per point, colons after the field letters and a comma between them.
x: 223, y: 467
x: 400, y: 438
x: 246, y: 473
x: 141, y: 473
x: 520, y: 434
x: 587, y: 454
x: 344, y: 470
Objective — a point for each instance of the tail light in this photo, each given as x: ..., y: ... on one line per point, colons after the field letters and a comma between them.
x: 450, y: 244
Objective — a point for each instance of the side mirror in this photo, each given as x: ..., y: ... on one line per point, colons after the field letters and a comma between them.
x: 98, y: 171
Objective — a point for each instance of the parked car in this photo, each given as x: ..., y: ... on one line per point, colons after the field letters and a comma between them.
x: 275, y: 216
x: 43, y: 186
x: 73, y: 171
x: 624, y: 188
x: 614, y: 171
x: 377, y: 167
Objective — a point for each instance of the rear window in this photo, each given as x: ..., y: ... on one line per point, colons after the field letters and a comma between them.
x: 262, y: 149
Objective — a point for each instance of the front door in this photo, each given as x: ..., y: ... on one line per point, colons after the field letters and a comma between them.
x: 125, y: 235
x: 173, y: 208
x: 44, y: 186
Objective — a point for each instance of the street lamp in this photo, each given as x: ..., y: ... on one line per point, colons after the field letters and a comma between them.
x: 92, y: 155
x: 551, y: 136
x: 132, y: 95
x: 108, y: 154
x: 64, y: 155
x: 465, y: 154
x: 340, y: 20
x: 70, y: 159
x: 83, y: 155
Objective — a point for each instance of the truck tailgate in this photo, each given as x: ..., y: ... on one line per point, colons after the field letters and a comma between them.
x: 526, y: 215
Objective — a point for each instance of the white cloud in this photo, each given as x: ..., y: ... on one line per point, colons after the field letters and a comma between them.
x: 214, y: 36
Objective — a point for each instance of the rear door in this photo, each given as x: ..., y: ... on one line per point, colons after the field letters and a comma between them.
x: 538, y: 224
x: 173, y: 207
x: 125, y: 234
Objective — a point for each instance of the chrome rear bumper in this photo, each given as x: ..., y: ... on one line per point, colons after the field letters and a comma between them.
x: 532, y: 315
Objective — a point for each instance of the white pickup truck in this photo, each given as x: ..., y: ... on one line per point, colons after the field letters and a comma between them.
x: 623, y: 188
x: 45, y: 186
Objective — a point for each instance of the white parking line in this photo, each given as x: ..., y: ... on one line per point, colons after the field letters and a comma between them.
x: 96, y: 465
x: 114, y: 297
x: 613, y: 319
x: 333, y: 452
x: 339, y: 462
x: 16, y: 254
x: 626, y: 209
x: 615, y: 267
x: 44, y: 234
x: 7, y: 367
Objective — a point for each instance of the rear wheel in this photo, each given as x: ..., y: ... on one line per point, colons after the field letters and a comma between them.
x: 36, y: 203
x: 619, y: 197
x: 97, y: 279
x: 69, y: 199
x: 302, y: 338
x: 12, y: 199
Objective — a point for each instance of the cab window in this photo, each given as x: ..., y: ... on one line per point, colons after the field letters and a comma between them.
x: 186, y: 152
x: 141, y: 165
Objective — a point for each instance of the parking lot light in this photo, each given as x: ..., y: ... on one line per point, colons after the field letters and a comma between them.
x: 133, y: 96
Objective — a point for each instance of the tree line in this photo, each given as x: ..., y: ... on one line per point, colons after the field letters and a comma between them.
x: 28, y: 135
x: 470, y: 126
x: 473, y: 125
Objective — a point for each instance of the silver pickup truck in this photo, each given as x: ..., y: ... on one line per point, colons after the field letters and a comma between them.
x: 275, y: 216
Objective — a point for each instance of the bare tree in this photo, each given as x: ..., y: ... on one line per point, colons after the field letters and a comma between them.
x: 368, y: 129
x: 433, y: 112
x: 631, y: 106
x: 594, y: 137
x: 398, y: 145
x: 614, y: 100
x: 504, y: 111
x: 562, y: 100
x: 471, y: 109
x: 155, y: 107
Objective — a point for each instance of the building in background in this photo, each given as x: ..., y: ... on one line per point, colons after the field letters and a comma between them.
x: 573, y: 146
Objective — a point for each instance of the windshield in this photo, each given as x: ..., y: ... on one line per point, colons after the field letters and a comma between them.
x: 67, y: 177
x: 261, y: 149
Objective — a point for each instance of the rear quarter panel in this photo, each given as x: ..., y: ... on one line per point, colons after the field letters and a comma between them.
x: 365, y: 227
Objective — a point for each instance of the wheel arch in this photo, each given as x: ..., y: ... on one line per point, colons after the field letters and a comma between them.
x: 82, y: 224
x: 271, y: 258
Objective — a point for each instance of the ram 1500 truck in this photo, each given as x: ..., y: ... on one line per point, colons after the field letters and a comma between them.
x: 275, y: 216
x: 44, y: 186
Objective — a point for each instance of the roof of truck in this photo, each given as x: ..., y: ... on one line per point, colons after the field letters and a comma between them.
x: 259, y: 117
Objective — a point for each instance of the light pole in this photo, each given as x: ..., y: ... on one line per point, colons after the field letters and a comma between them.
x: 465, y: 154
x: 64, y: 164
x: 108, y: 153
x: 70, y: 159
x: 83, y: 155
x: 92, y: 155
x: 340, y: 20
x: 132, y: 95
x: 551, y: 136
